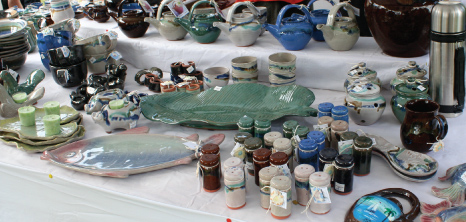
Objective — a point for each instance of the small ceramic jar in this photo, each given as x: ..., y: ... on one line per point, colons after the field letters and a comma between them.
x: 326, y: 120
x: 365, y: 103
x: 404, y: 92
x: 235, y: 188
x: 343, y: 174
x: 232, y: 162
x: 319, y: 137
x: 280, y: 197
x: 326, y: 158
x: 340, y: 113
x: 246, y: 124
x: 211, y: 148
x: 250, y: 145
x: 284, y: 145
x: 345, y: 144
x: 319, y: 187
x: 270, y: 137
x: 301, y: 175
x: 361, y: 72
x: 210, y: 167
x: 325, y: 109
x: 308, y: 152
x: 261, y: 127
x: 261, y: 159
x: 265, y: 175
x: 288, y: 127
x: 280, y: 160
x: 300, y: 132
x: 239, y: 145
x: 336, y: 128
x: 362, y: 155
x: 412, y: 70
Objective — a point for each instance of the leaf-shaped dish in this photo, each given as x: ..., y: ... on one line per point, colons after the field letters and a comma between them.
x: 222, y: 109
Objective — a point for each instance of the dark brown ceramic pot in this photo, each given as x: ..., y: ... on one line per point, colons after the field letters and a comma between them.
x: 99, y: 13
x: 113, y: 4
x: 401, y: 28
x: 422, y: 126
x: 131, y: 22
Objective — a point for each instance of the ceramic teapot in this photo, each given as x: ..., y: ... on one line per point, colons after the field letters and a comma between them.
x: 242, y: 28
x: 131, y: 23
x: 318, y: 16
x: 340, y: 33
x: 292, y: 32
x: 113, y: 5
x: 166, y: 25
x: 200, y: 26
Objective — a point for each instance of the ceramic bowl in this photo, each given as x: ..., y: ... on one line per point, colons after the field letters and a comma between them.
x: 11, y: 27
x: 46, y: 41
x: 99, y: 44
x: 216, y: 76
x: 66, y: 55
x: 71, y: 25
x: 15, y: 61
x: 69, y: 76
x: 96, y: 63
x: 244, y: 65
x: 282, y: 62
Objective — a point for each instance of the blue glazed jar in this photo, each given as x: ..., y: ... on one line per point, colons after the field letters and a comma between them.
x: 319, y: 137
x: 325, y: 109
x: 340, y: 113
x: 308, y: 153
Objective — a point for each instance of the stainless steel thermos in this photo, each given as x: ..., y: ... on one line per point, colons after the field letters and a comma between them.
x: 447, y: 57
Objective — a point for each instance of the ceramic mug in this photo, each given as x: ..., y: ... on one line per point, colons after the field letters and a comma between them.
x: 282, y: 63
x: 69, y: 76
x: 216, y: 76
x: 422, y: 126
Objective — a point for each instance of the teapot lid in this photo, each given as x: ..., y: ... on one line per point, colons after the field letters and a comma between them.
x: 361, y: 70
x: 411, y: 87
x: 411, y: 70
x: 363, y: 89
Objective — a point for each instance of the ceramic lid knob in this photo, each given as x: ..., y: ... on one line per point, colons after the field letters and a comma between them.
x: 319, y: 179
x: 210, y: 149
x: 262, y: 154
x: 253, y: 143
x: 267, y: 173
x: 303, y: 171
x: 339, y: 125
x: 325, y: 120
x: 278, y: 158
x: 350, y: 135
x: 241, y: 137
x: 363, y: 142
x: 270, y: 137
x: 209, y: 160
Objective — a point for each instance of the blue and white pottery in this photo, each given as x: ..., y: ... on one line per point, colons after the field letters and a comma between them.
x: 123, y: 118
x: 216, y: 76
x: 365, y: 103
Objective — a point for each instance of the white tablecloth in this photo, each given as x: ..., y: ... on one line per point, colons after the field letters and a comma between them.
x: 35, y: 190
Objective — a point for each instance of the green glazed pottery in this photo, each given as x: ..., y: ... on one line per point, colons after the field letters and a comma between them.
x: 405, y: 92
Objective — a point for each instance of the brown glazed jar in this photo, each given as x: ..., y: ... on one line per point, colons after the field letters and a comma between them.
x: 211, y: 148
x: 210, y: 166
x: 279, y: 159
x: 400, y: 27
x: 250, y: 145
x: 261, y: 159
x: 336, y: 128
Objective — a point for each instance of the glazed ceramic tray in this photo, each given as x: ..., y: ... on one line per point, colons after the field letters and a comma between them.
x: 221, y: 109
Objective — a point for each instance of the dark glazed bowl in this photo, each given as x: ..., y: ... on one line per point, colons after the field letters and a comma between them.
x: 69, y: 76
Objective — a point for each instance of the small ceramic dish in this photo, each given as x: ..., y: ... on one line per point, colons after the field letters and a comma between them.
x: 216, y: 76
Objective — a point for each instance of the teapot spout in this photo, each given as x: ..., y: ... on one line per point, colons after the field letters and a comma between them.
x: 152, y: 21
x: 273, y: 29
x: 225, y: 27
x: 327, y: 31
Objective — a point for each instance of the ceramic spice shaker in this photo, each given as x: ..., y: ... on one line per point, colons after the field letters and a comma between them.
x: 345, y: 144
x: 211, y: 148
x: 210, y: 166
x: 270, y: 137
x: 232, y: 162
x: 326, y: 158
x: 280, y: 197
x: 343, y: 174
x: 319, y: 184
x: 301, y: 175
x: 284, y: 145
x: 235, y: 188
x: 325, y: 109
x: 340, y: 113
x: 336, y: 129
x: 280, y: 160
x: 261, y: 127
x: 301, y: 132
x: 319, y: 137
x: 288, y: 127
x: 265, y: 175
x: 246, y: 124
x: 308, y: 152
x: 326, y: 120
x: 239, y: 145
x: 261, y: 159
x: 250, y: 145
x: 362, y: 155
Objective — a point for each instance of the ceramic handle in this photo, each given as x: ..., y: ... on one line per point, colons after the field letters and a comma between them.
x: 442, y: 127
x: 236, y: 5
x: 138, y: 76
x: 211, y: 3
x: 333, y: 12
x: 286, y: 8
x: 159, y: 12
x: 312, y: 2
x: 405, y: 194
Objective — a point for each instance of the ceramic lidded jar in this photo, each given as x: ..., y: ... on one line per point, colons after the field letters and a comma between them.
x: 210, y: 167
x: 320, y: 182
x: 235, y: 188
x: 336, y: 129
x: 404, y: 93
x: 345, y: 145
x: 365, y: 103
x: 301, y: 175
x: 325, y: 109
x: 232, y: 162
x: 280, y: 197
x: 319, y: 137
x: 412, y: 70
x: 340, y: 113
x: 326, y: 158
x: 343, y: 174
x: 265, y: 175
x: 239, y: 142
x: 261, y: 127
x: 270, y: 137
x: 250, y: 145
x: 301, y: 132
x: 261, y: 159
x: 280, y: 160
x: 246, y: 124
x: 362, y: 155
x: 308, y: 152
x: 361, y: 72
x: 288, y: 127
x: 284, y: 145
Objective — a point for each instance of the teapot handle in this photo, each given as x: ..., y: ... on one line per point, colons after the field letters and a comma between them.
x: 212, y: 3
x: 333, y: 12
x: 162, y: 4
x: 284, y: 9
x: 233, y: 8
x: 120, y: 8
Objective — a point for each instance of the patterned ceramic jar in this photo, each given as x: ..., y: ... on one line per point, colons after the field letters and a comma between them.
x: 412, y: 70
x: 361, y: 72
x: 365, y: 103
x: 405, y: 92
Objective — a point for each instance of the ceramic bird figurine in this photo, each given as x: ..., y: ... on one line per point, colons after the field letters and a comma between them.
x: 442, y: 212
x: 455, y: 193
x: 13, y: 87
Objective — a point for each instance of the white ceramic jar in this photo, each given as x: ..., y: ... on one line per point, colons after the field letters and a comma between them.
x: 365, y: 103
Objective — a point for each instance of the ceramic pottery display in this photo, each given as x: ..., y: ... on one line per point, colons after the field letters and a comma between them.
x: 99, y: 100
x: 400, y: 28
x: 9, y: 108
x: 242, y: 28
x: 166, y: 24
x: 318, y: 16
x: 423, y: 129
x: 244, y: 69
x: 49, y: 39
x: 11, y: 85
x: 292, y: 32
x: 282, y: 69
x: 340, y: 33
x: 200, y: 26
x: 404, y: 93
x: 122, y: 118
x: 14, y: 42
x: 261, y: 16
x: 381, y: 206
x: 131, y: 23
x: 33, y: 138
x: 442, y: 211
x: 412, y: 70
x: 61, y: 10
x: 407, y: 164
x: 213, y: 109
x: 455, y: 193
x: 365, y: 103
x: 130, y: 152
x: 361, y: 72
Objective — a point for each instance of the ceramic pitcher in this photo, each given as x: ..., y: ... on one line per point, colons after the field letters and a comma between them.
x: 422, y: 127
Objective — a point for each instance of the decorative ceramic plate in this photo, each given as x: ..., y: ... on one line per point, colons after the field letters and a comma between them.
x: 222, y: 109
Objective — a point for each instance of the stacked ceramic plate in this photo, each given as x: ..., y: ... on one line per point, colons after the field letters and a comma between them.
x: 33, y: 139
x: 14, y: 44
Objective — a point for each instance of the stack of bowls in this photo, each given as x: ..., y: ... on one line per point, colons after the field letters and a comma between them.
x: 282, y: 68
x: 14, y: 45
x: 68, y: 65
x: 98, y: 49
x: 244, y: 69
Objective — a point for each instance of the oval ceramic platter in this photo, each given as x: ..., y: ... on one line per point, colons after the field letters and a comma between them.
x: 222, y: 108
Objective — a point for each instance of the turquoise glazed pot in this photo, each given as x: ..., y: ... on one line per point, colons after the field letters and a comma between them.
x: 405, y: 92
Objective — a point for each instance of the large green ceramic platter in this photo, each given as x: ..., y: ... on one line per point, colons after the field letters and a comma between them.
x: 222, y: 108
x: 79, y: 134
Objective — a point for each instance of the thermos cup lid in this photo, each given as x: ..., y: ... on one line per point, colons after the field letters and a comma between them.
x: 448, y: 17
